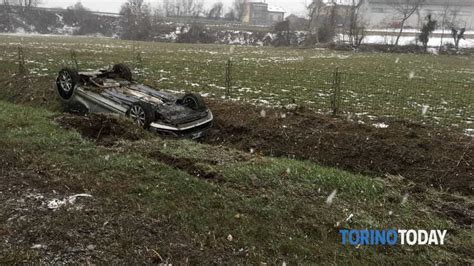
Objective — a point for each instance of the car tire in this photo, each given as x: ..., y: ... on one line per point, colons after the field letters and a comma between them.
x: 142, y: 114
x: 66, y: 83
x: 194, y: 101
x: 123, y: 71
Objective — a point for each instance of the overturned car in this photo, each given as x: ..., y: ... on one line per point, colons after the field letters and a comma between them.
x: 114, y: 91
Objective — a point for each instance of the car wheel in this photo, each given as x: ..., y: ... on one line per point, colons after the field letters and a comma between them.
x: 194, y: 101
x: 123, y: 71
x: 142, y: 114
x: 66, y: 83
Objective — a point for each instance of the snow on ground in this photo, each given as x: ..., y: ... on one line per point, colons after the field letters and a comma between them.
x: 395, y: 31
x: 469, y: 132
x: 380, y: 125
x: 406, y: 40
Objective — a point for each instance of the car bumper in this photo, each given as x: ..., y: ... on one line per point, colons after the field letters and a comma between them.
x: 194, y: 130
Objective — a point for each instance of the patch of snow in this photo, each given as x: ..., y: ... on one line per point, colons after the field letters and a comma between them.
x: 57, y: 203
x: 469, y: 132
x: 380, y: 125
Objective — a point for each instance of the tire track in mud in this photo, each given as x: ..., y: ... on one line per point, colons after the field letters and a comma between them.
x: 192, y: 167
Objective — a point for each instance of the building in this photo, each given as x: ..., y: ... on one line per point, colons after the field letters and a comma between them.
x: 383, y: 14
x: 275, y: 14
x: 261, y: 14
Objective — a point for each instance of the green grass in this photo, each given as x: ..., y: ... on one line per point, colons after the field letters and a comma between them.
x: 374, y: 84
x: 275, y: 209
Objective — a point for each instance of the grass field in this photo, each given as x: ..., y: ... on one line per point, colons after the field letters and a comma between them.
x: 254, y: 209
x: 435, y: 89
x: 181, y: 202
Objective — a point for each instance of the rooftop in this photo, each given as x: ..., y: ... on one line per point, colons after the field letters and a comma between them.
x: 275, y: 9
x: 430, y: 2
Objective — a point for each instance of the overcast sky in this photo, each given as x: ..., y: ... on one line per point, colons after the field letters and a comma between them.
x: 290, y: 6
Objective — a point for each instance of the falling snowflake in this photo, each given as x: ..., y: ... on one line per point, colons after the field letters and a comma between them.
x: 424, y: 109
x: 331, y: 197
x: 350, y: 217
x: 411, y: 75
x: 263, y: 113
x: 397, y: 60
x: 405, y: 199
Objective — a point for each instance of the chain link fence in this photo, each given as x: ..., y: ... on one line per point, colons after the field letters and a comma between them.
x: 439, y: 102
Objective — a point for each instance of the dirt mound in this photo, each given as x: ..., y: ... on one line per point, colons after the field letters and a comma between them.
x: 192, y: 167
x: 425, y: 155
x: 103, y: 129
x: 29, y: 90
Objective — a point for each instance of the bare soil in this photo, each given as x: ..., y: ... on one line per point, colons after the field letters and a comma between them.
x: 428, y: 156
x: 425, y: 156
x: 105, y: 130
x: 113, y: 231
x: 192, y: 167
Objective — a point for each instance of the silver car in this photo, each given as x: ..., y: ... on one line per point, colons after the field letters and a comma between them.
x: 114, y: 91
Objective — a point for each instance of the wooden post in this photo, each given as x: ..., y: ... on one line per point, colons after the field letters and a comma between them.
x: 22, y: 70
x: 228, y: 77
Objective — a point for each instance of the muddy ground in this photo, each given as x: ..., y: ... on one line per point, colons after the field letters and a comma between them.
x: 428, y: 156
x: 425, y: 155
x: 105, y: 130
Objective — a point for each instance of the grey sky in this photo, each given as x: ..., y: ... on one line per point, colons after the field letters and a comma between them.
x: 291, y: 6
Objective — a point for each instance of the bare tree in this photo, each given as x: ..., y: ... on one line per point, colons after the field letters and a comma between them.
x: 315, y: 10
x: 457, y: 36
x: 136, y: 20
x: 448, y: 19
x: 332, y: 19
x: 426, y: 31
x: 356, y: 25
x: 405, y: 9
x: 216, y: 11
x: 189, y: 8
x: 7, y: 15
x: 239, y: 8
x: 282, y: 29
x: 76, y: 14
x: 183, y: 8
x: 24, y: 4
x: 168, y: 8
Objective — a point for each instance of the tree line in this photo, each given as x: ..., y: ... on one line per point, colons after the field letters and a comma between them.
x: 324, y: 20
